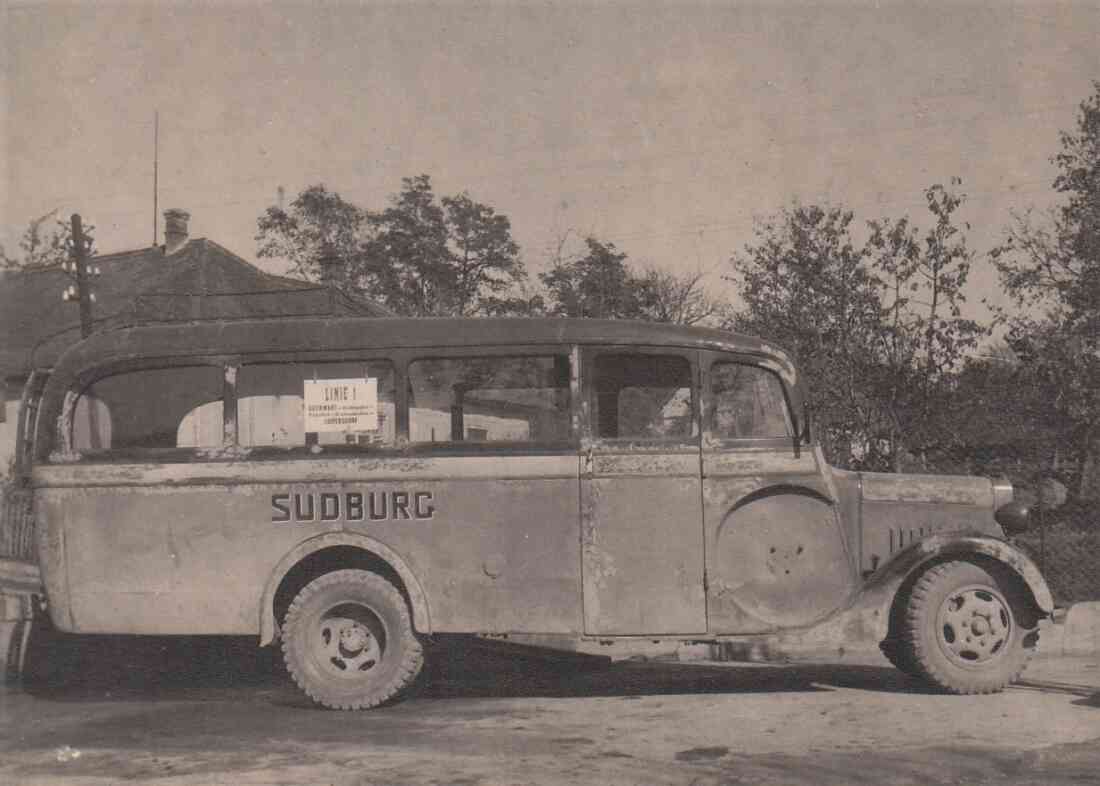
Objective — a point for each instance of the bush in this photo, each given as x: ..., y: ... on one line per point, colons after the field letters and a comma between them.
x: 1069, y: 556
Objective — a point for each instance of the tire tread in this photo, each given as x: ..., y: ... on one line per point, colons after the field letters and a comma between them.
x: 914, y: 645
x: 412, y: 660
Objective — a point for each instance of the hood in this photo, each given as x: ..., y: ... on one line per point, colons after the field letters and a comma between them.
x: 941, y: 489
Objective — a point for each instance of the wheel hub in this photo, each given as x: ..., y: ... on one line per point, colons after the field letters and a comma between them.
x: 975, y: 624
x: 346, y: 646
x: 353, y: 638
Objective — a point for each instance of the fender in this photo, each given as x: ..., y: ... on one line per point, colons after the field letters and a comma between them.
x: 417, y: 599
x: 961, y: 544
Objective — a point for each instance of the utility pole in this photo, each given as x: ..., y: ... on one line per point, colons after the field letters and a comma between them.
x: 156, y: 157
x: 79, y: 269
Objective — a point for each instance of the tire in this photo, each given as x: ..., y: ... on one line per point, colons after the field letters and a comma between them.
x: 899, y: 657
x: 348, y: 641
x: 893, y: 646
x: 967, y: 628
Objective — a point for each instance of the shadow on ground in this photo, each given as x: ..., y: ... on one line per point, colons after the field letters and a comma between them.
x: 1090, y: 697
x: 130, y: 668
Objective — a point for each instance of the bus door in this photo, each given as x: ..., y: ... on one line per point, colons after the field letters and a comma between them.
x: 641, y: 511
x: 776, y: 555
x: 492, y: 441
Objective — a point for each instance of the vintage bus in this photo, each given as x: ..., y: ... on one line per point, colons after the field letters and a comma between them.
x: 353, y: 486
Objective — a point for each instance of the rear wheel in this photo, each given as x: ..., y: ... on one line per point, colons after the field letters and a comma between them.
x: 348, y: 641
x: 967, y: 628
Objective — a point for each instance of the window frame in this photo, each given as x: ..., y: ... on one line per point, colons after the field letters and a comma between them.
x: 232, y: 364
x: 64, y: 437
x: 591, y: 352
x: 711, y: 437
x: 365, y: 356
x: 450, y: 447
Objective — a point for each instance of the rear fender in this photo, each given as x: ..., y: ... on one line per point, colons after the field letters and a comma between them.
x: 417, y: 599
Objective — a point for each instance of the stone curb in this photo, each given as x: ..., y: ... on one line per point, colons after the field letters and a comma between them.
x: 1077, y: 633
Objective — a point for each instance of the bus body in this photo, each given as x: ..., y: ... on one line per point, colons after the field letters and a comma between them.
x: 354, y: 485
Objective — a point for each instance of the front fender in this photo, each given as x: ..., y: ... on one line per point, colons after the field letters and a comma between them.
x: 922, y: 552
x: 417, y: 598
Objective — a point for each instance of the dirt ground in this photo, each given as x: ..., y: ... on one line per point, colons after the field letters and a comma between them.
x: 200, y: 712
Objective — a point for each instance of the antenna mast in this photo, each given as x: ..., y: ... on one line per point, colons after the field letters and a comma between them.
x: 156, y: 141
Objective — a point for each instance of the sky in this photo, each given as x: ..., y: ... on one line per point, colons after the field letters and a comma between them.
x: 665, y: 128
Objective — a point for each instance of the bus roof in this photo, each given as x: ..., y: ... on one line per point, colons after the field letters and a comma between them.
x: 303, y: 334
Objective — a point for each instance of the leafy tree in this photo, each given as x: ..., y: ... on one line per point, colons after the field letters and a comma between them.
x: 1050, y: 267
x: 994, y: 398
x: 808, y: 286
x: 406, y: 260
x: 603, y: 284
x: 420, y: 256
x: 319, y: 223
x: 924, y: 337
x: 599, y: 284
x: 485, y: 257
x: 877, y: 327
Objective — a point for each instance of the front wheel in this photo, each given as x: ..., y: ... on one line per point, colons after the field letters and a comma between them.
x: 967, y: 629
x: 348, y: 641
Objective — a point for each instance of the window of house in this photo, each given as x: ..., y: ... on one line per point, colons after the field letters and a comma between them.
x: 748, y: 403
x: 489, y: 399
x: 637, y: 396
x: 151, y: 408
x: 319, y: 406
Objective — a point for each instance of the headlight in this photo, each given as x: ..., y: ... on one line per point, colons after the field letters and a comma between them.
x: 1013, y: 517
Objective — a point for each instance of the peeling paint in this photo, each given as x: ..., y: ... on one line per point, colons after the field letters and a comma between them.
x: 934, y: 489
x: 648, y: 463
x: 642, y: 544
x: 223, y: 452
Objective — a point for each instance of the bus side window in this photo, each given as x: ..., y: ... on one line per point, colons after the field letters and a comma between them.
x: 642, y: 397
x: 490, y: 399
x: 176, y: 407
x: 271, y: 405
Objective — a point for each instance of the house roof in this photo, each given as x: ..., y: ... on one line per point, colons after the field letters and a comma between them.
x: 202, y: 280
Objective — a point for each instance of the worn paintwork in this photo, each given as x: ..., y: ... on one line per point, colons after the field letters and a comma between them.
x: 200, y: 542
x: 938, y: 489
x: 642, y: 544
x: 698, y: 539
x: 50, y: 541
x: 896, y: 514
x: 776, y: 554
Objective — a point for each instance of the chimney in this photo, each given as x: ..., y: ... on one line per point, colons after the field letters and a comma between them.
x: 175, y: 229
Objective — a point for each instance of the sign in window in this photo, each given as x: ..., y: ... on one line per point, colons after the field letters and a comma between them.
x: 298, y: 405
x: 341, y: 404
